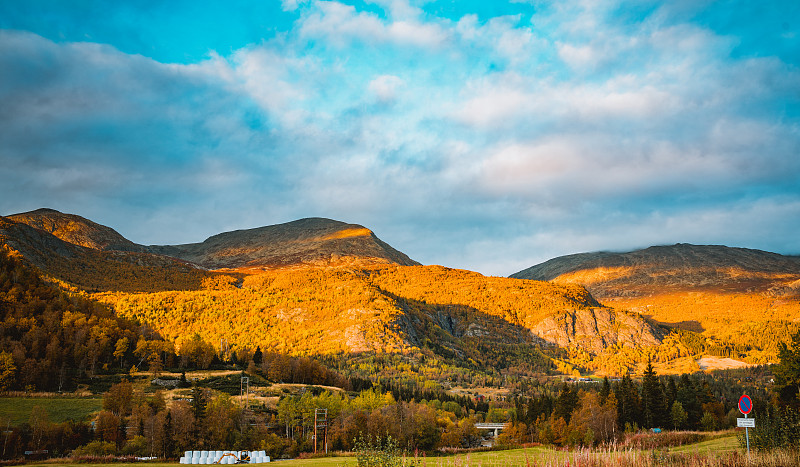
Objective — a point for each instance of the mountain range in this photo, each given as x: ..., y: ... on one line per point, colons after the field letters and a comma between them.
x: 319, y: 286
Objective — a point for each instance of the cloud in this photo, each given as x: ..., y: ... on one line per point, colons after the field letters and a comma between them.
x: 484, y: 141
x: 385, y: 87
x: 339, y: 24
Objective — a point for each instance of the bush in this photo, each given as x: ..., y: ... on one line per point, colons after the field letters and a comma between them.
x: 95, y: 448
x: 136, y: 446
x: 667, y: 439
x: 376, y: 452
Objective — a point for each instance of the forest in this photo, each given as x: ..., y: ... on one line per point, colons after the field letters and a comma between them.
x: 146, y: 421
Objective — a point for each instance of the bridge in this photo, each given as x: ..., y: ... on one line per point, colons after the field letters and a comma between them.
x: 495, y: 427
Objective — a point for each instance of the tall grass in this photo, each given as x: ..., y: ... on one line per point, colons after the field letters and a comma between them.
x: 612, y: 458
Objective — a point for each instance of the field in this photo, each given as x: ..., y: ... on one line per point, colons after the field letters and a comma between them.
x: 59, y: 409
x: 718, y: 452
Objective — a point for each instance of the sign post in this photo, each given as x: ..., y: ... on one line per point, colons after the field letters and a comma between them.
x: 745, y: 407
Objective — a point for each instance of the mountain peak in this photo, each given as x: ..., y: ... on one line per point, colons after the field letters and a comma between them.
x: 313, y: 241
x: 77, y: 230
x: 679, y: 266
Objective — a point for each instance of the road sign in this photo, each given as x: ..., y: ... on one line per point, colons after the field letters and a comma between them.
x: 745, y: 404
x: 746, y: 422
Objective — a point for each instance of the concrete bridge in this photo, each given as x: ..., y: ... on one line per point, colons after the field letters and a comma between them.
x: 495, y: 427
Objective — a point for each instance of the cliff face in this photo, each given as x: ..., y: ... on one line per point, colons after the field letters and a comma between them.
x: 597, y: 328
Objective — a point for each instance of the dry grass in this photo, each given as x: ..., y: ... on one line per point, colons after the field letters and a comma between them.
x: 546, y: 457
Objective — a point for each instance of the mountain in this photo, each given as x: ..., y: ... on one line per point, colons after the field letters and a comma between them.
x: 305, y: 242
x: 677, y: 267
x: 93, y: 269
x: 735, y: 298
x: 271, y: 287
x: 77, y: 230
x: 310, y: 242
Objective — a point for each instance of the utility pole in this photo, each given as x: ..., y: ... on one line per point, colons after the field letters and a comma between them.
x: 7, y: 432
x: 244, y: 391
x: 321, y: 422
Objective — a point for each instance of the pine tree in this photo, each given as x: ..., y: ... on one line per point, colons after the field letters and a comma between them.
x: 565, y: 403
x: 199, y: 411
x: 605, y: 390
x: 169, y: 441
x: 787, y: 373
x: 678, y: 415
x: 653, y: 400
x: 687, y: 396
x: 628, y: 406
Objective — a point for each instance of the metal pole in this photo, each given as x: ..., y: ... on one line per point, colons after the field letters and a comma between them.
x: 747, y: 436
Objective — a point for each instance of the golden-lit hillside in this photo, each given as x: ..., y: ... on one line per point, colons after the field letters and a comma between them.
x: 326, y: 310
x: 98, y: 270
x: 746, y: 301
x: 341, y: 291
x: 315, y: 242
x: 525, y: 303
x: 297, y: 312
x: 306, y: 242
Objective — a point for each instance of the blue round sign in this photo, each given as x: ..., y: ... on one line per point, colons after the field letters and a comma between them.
x: 745, y: 404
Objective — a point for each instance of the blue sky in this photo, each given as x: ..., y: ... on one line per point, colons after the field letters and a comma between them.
x: 482, y: 135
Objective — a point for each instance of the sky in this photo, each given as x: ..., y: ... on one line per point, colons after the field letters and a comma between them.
x: 488, y: 136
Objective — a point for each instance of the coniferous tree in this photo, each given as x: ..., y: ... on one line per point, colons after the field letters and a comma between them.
x: 605, y: 390
x: 671, y: 391
x: 565, y: 403
x: 169, y: 440
x: 628, y: 405
x: 199, y: 403
x: 653, y: 401
x: 687, y: 396
x: 787, y: 373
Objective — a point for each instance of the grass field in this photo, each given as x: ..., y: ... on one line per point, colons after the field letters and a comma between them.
x: 59, y: 409
x: 718, y: 445
x: 719, y: 452
x: 534, y: 456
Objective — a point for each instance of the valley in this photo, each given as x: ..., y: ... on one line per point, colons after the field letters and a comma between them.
x: 319, y: 313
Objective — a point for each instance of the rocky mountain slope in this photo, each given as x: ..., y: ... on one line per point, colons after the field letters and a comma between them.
x: 671, y: 268
x: 746, y: 301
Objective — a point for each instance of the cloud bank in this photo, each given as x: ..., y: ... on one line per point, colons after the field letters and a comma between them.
x: 483, y: 140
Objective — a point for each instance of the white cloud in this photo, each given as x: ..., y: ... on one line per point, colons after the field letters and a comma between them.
x: 502, y: 36
x: 481, y: 143
x: 385, y: 87
x: 339, y: 24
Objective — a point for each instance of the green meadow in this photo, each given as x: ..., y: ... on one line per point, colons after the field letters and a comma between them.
x: 59, y: 409
x: 719, y: 452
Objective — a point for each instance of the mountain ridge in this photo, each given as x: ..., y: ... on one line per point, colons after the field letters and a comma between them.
x: 680, y: 266
x: 301, y: 305
x: 310, y: 241
x: 740, y: 302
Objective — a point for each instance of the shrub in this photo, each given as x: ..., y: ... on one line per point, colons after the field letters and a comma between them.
x: 95, y: 448
x: 376, y: 452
